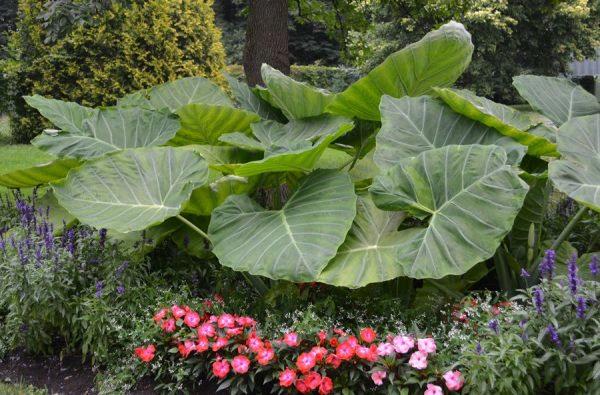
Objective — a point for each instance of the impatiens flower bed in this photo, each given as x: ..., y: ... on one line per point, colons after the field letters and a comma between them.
x: 231, y: 349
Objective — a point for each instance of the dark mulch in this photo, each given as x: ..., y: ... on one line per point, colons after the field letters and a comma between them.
x: 59, y: 376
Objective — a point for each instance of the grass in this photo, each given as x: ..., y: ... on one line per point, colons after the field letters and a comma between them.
x: 14, y: 157
x: 20, y: 389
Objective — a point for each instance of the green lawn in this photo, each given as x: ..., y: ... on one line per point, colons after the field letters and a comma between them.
x: 13, y: 157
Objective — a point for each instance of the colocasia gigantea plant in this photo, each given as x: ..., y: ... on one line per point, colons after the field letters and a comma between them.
x: 397, y: 176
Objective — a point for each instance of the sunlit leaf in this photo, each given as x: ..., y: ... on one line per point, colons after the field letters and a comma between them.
x: 66, y: 116
x: 38, y: 175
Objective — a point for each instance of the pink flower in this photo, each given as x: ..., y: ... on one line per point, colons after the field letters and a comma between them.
x: 368, y: 335
x: 433, y: 389
x: 322, y: 336
x: 352, y: 341
x: 305, y: 362
x: 403, y: 344
x: 318, y: 352
x: 226, y: 321
x: 287, y: 378
x: 220, y: 369
x: 202, y: 344
x: 232, y: 332
x: 264, y: 356
x: 146, y: 354
x: 254, y: 343
x: 207, y: 330
x: 333, y: 360
x: 177, y: 311
x: 326, y: 386
x: 344, y: 351
x: 301, y: 387
x: 246, y: 322
x: 378, y: 377
x: 427, y: 345
x: 418, y: 360
x: 168, y: 326
x: 385, y: 349
x: 219, y: 344
x: 192, y: 319
x: 291, y: 339
x: 240, y: 364
x: 454, y: 380
x: 313, y: 380
x: 186, y: 348
x: 368, y: 353
x: 160, y: 315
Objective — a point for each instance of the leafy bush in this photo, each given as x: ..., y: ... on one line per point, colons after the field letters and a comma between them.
x: 511, y: 37
x: 8, y: 15
x: 124, y: 48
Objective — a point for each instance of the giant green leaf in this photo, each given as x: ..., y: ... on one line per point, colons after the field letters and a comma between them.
x: 203, y: 123
x: 66, y: 116
x: 295, y: 99
x: 109, y: 130
x: 223, y: 158
x: 38, y: 175
x: 558, y: 98
x: 294, y: 243
x: 205, y: 199
x: 295, y: 146
x: 251, y: 101
x: 438, y: 59
x: 470, y: 196
x: 413, y: 125
x: 578, y: 172
x: 370, y: 252
x: 133, y: 189
x: 176, y: 94
x: 506, y: 120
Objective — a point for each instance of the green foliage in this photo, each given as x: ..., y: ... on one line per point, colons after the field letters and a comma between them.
x: 511, y: 37
x: 121, y: 49
x: 8, y: 16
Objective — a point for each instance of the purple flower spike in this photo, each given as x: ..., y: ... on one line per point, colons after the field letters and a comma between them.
x: 581, y: 307
x: 120, y: 289
x: 538, y: 300
x: 99, y: 289
x: 493, y: 325
x: 594, y: 269
x: 572, y: 274
x: 553, y: 335
x: 547, y: 264
x: 479, y: 349
x: 525, y: 274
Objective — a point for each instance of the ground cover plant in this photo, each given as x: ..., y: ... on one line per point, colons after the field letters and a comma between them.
x: 399, y: 185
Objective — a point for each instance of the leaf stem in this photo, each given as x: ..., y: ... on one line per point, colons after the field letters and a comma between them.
x: 569, y: 228
x: 194, y: 227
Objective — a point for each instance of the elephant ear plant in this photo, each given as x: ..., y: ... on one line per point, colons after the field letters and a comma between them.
x: 398, y: 176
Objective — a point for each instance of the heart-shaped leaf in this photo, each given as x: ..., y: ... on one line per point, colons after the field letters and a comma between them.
x: 558, y: 98
x: 132, y: 189
x: 471, y: 197
x: 370, y: 252
x: 110, y: 130
x: 438, y: 59
x: 251, y: 101
x: 176, y: 94
x: 205, y: 199
x: 66, y: 116
x: 294, y: 243
x: 38, y: 175
x: 413, y: 125
x: 295, y: 99
x: 506, y: 120
x: 578, y: 172
x: 204, y: 124
x: 295, y: 146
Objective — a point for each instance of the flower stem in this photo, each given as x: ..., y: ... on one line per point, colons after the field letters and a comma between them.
x: 194, y: 227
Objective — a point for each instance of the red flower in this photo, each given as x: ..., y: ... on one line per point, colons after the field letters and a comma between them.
x: 368, y: 353
x: 264, y: 356
x: 192, y: 319
x: 186, y: 348
x: 333, y: 360
x: 202, y: 344
x: 160, y: 315
x: 305, y: 362
x: 291, y: 339
x: 333, y: 342
x: 312, y: 380
x: 146, y: 354
x: 254, y: 343
x: 226, y: 321
x: 326, y: 386
x: 345, y: 351
x: 207, y: 330
x: 240, y: 364
x: 221, y: 369
x: 318, y: 352
x: 219, y: 344
x: 246, y: 322
x: 301, y: 387
x: 287, y: 378
x: 168, y: 325
x: 177, y: 311
x: 368, y: 335
x: 322, y: 337
x: 232, y: 332
x: 353, y: 341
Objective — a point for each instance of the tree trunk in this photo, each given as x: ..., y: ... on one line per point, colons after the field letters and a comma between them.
x: 266, y: 38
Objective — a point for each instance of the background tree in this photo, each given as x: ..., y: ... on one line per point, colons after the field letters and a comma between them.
x: 8, y: 16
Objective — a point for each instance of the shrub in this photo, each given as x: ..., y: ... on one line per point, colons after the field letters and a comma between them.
x: 122, y: 49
